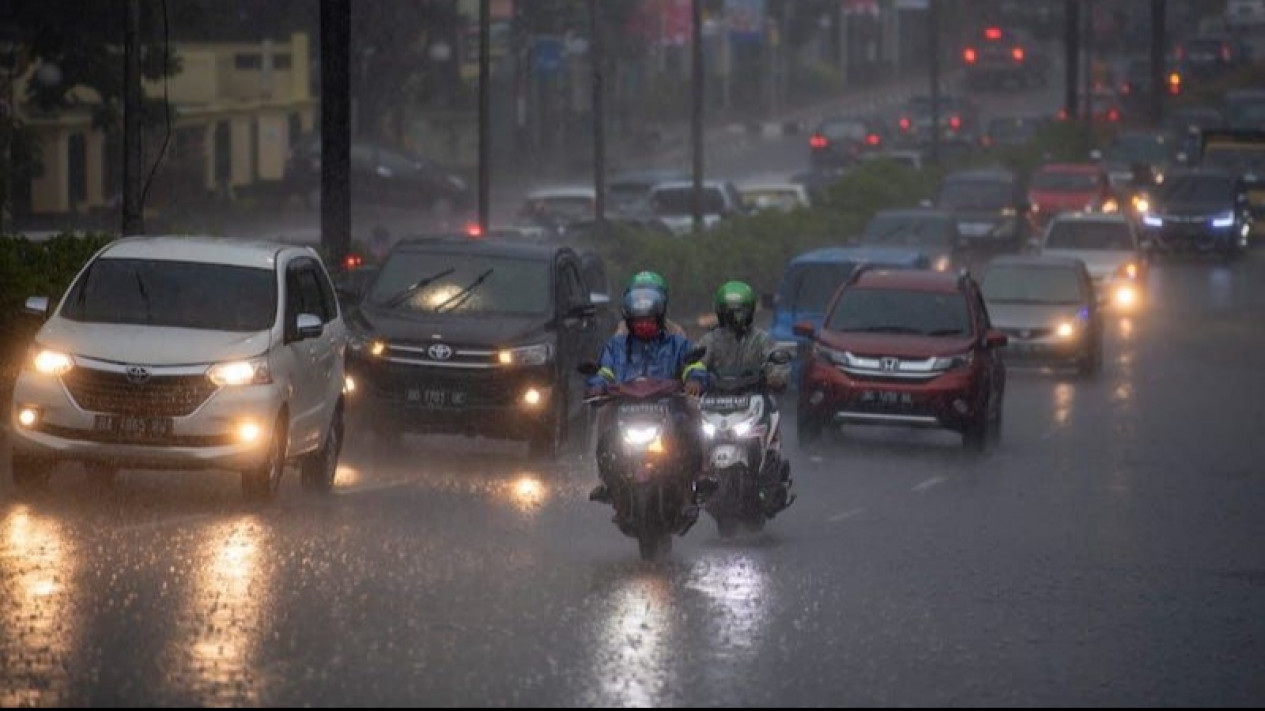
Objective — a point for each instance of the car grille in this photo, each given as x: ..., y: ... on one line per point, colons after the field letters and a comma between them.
x: 440, y: 355
x: 160, y: 396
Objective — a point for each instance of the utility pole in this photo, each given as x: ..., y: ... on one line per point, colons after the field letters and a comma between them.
x: 597, y: 57
x: 933, y: 46
x: 133, y: 219
x: 485, y: 113
x: 1071, y: 57
x: 336, y: 128
x: 696, y: 119
x: 1088, y: 43
x: 1159, y: 78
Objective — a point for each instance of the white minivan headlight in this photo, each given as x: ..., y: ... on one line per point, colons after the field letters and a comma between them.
x: 240, y: 372
x: 50, y: 362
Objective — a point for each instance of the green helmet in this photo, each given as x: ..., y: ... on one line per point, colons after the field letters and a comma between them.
x: 735, y: 305
x: 653, y: 280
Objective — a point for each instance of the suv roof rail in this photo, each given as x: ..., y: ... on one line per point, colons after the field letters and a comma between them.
x: 860, y: 269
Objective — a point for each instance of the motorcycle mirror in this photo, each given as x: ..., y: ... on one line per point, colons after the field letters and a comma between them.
x: 588, y: 368
x: 780, y: 357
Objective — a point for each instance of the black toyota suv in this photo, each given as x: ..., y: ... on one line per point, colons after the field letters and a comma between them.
x: 474, y: 337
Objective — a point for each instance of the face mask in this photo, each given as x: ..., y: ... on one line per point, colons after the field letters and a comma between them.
x: 645, y: 329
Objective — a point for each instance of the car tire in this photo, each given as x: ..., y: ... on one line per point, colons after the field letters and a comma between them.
x: 261, y: 482
x: 31, y: 474
x: 321, y: 467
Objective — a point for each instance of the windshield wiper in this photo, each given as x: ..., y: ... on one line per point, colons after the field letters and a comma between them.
x: 460, y: 297
x: 416, y: 287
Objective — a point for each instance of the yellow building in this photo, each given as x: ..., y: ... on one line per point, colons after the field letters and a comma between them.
x: 238, y: 108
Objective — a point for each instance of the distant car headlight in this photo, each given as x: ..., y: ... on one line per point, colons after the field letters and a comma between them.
x: 1066, y: 329
x: 1141, y: 205
x: 50, y: 362
x: 1110, y: 205
x: 942, y: 263
x: 1223, y: 221
x: 1152, y: 220
x: 953, y: 362
x: 240, y: 372
x: 537, y: 354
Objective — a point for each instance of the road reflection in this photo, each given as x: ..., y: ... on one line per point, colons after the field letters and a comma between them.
x: 737, y: 588
x: 526, y: 493
x: 1064, y: 399
x: 215, y: 649
x: 632, y: 662
x: 40, y: 622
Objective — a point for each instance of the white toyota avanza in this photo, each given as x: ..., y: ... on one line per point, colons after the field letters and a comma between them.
x: 186, y: 352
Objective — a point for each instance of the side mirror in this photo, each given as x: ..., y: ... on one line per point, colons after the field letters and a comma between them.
x: 805, y: 329
x: 599, y: 299
x: 996, y: 339
x: 780, y: 357
x: 309, y: 326
x: 1095, y: 154
x: 588, y: 368
x: 36, y: 305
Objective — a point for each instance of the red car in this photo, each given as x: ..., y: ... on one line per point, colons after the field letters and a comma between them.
x: 904, y: 347
x: 1070, y: 187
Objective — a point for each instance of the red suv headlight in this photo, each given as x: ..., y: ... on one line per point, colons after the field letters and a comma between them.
x: 953, y: 362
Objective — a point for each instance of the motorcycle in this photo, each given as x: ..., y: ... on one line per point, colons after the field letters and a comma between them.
x: 648, y: 453
x: 744, y: 471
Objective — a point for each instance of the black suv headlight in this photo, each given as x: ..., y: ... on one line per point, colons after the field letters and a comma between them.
x: 535, y: 354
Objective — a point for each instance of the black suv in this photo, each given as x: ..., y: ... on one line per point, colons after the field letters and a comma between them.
x: 473, y: 337
x: 1199, y: 210
x: 991, y: 207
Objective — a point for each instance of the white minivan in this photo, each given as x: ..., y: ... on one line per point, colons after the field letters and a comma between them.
x: 186, y: 352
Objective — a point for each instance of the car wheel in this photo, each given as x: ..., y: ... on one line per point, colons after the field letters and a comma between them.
x: 320, y: 467
x: 31, y: 474
x: 261, y: 482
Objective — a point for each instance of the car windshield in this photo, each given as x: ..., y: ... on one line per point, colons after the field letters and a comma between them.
x: 174, y: 294
x: 1065, y: 181
x: 1197, y: 189
x: 679, y: 202
x: 975, y: 195
x: 909, y: 231
x: 1067, y: 234
x: 809, y: 288
x: 463, y: 284
x: 1139, y: 148
x: 1007, y: 284
x: 923, y: 313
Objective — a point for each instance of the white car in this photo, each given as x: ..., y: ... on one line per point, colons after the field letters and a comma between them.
x: 673, y: 204
x: 1109, y: 246
x: 186, y: 352
x: 774, y: 196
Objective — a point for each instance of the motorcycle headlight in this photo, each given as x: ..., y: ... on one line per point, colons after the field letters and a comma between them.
x: 953, y: 362
x: 240, y: 372
x: 538, y: 354
x: 1141, y: 205
x: 1223, y: 221
x: 709, y: 430
x: 742, y: 428
x: 50, y: 362
x: 641, y: 436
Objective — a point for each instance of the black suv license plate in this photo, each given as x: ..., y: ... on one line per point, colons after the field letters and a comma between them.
x: 133, y: 427
x: 435, y: 398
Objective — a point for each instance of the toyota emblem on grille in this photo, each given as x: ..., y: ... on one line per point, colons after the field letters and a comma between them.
x: 439, y: 351
x: 889, y: 364
x: 137, y: 374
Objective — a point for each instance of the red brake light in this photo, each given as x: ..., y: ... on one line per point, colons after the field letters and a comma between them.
x: 955, y: 122
x: 873, y: 139
x: 818, y: 141
x: 1017, y: 53
x: 474, y: 230
x: 353, y: 261
x: 969, y: 55
x: 1061, y: 115
x: 992, y: 33
x: 904, y: 123
x: 1113, y: 115
x: 1174, y: 83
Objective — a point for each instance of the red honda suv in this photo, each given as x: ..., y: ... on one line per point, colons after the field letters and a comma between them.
x: 912, y: 348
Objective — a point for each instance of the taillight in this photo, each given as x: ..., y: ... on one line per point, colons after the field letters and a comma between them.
x: 474, y: 229
x: 955, y: 122
x: 969, y: 55
x: 818, y: 141
x: 992, y: 33
x: 353, y: 261
x: 873, y: 139
x: 1017, y: 53
x: 1113, y: 115
x: 1225, y: 52
x: 1174, y: 83
x: 905, y: 123
x: 1061, y: 115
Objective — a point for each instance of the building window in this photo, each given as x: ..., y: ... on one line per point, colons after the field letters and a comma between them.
x: 247, y: 62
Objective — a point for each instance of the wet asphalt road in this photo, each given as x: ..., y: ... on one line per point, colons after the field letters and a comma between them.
x: 1111, y: 551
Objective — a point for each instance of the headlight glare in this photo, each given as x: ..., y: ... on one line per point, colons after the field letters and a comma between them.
x: 1223, y: 221
x: 1152, y: 220
x: 641, y: 436
x: 240, y: 372
x: 56, y: 363
x: 536, y: 354
x: 1066, y: 329
x: 954, y: 362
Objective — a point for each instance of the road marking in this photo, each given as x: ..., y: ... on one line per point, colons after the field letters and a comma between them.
x: 845, y: 515
x: 933, y: 481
